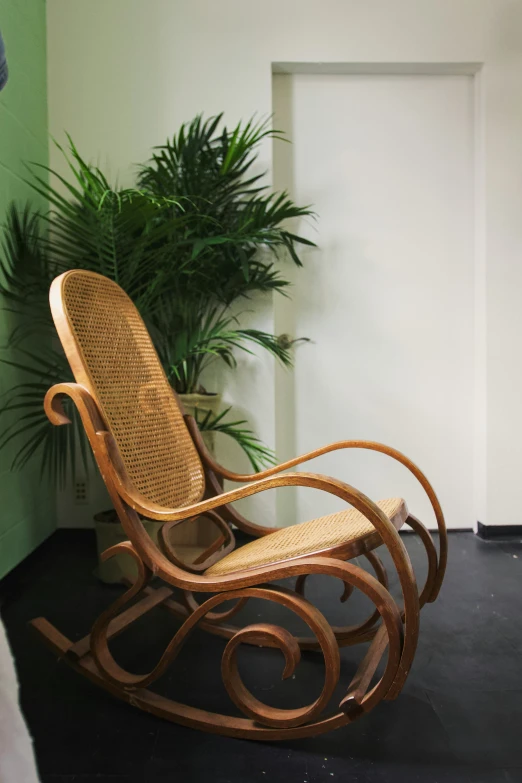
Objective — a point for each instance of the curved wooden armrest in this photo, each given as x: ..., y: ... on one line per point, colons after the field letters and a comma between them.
x: 211, y: 463
x: 53, y: 406
x: 340, y: 489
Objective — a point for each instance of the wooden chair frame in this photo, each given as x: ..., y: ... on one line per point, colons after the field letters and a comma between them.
x: 392, y: 627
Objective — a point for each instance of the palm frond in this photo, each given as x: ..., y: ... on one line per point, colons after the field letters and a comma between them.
x: 259, y: 455
x: 187, y: 347
x: 26, y: 271
x: 230, y: 214
x: 24, y: 424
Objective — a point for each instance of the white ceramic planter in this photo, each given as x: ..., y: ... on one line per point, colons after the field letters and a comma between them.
x: 110, y: 532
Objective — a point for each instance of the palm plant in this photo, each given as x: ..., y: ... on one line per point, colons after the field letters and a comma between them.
x: 205, y: 170
x: 196, y: 234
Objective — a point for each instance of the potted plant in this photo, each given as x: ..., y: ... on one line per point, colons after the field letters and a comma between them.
x: 196, y: 234
x: 206, y: 172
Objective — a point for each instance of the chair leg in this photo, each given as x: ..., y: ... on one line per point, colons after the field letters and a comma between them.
x: 431, y: 553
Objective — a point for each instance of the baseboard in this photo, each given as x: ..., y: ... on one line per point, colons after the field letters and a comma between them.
x: 488, y: 532
x: 454, y: 530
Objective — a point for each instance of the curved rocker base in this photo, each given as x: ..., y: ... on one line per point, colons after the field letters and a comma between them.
x: 91, y: 657
x: 193, y: 717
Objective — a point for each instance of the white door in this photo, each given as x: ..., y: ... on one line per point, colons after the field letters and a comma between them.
x: 388, y: 296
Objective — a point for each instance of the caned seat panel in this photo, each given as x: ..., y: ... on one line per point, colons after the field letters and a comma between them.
x: 318, y: 536
x: 116, y: 359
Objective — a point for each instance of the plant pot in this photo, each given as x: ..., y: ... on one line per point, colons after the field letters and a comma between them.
x: 202, y: 403
x: 189, y: 539
x: 110, y: 532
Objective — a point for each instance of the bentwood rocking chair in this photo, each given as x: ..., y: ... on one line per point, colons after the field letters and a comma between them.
x: 155, y: 465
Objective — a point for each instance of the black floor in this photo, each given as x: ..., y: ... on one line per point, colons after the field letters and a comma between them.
x: 459, y: 717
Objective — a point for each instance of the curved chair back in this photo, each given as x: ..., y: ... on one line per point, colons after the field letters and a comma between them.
x: 110, y: 352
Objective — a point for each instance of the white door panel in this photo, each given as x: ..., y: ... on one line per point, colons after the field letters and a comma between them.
x: 388, y: 296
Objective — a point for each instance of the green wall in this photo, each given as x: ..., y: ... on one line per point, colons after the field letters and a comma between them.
x: 27, y: 514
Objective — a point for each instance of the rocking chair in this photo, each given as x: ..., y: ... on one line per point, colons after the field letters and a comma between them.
x: 155, y: 465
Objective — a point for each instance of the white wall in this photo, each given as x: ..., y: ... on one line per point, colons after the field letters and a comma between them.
x: 123, y: 74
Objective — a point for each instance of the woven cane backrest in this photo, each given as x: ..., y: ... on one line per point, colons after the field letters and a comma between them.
x: 112, y: 354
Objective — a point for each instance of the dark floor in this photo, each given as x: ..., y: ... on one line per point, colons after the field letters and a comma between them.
x: 459, y: 717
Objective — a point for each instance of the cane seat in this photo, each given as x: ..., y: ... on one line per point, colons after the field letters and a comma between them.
x: 347, y: 533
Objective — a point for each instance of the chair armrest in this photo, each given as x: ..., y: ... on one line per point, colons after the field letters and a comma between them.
x: 390, y: 537
x: 211, y: 463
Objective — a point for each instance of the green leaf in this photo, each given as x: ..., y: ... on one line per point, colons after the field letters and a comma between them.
x: 259, y: 455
